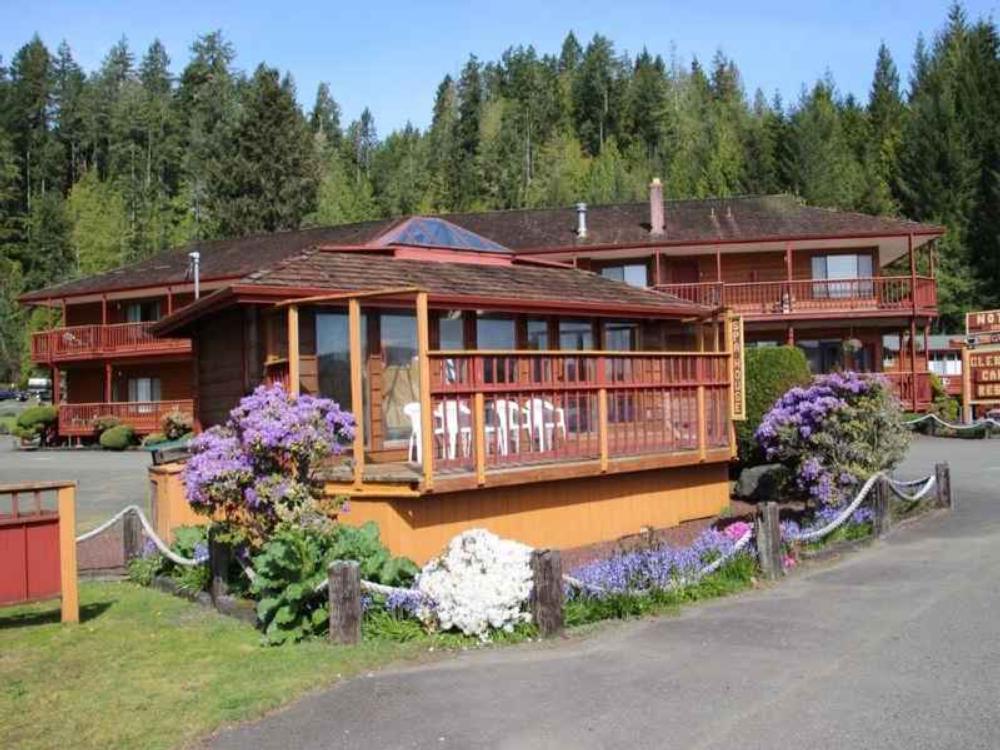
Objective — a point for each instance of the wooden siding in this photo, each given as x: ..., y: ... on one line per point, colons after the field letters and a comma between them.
x: 220, y: 366
x: 558, y: 514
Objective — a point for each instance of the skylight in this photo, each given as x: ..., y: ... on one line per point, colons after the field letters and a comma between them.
x: 427, y: 231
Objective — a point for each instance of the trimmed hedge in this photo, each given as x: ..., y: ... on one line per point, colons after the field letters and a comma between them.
x: 37, y: 421
x: 118, y: 438
x: 770, y: 372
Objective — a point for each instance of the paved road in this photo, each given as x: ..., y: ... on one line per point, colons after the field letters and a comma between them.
x: 895, y: 646
x: 107, y: 481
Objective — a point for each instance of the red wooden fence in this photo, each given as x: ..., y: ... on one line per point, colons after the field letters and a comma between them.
x: 89, y: 341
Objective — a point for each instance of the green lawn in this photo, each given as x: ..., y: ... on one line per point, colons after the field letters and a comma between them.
x: 149, y: 670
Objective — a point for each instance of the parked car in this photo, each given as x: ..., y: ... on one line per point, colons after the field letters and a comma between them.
x: 8, y: 394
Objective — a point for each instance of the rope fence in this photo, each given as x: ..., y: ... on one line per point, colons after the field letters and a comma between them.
x: 345, y: 584
x: 986, y: 423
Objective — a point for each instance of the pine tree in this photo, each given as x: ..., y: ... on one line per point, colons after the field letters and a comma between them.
x: 29, y: 115
x: 570, y: 54
x: 324, y: 120
x: 647, y: 104
x: 70, y: 125
x: 464, y: 185
x: 440, y: 139
x: 597, y: 95
x: 270, y: 178
x: 99, y: 236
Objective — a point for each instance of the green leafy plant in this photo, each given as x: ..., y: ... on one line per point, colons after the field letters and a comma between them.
x: 104, y: 423
x: 38, y: 422
x: 154, y: 438
x: 117, y: 438
x: 294, y: 561
x: 176, y: 424
x: 770, y: 372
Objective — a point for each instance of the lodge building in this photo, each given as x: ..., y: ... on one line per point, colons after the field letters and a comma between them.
x: 562, y: 376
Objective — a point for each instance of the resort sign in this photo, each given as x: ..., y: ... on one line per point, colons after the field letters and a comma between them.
x: 984, y: 375
x: 737, y: 368
x: 985, y: 322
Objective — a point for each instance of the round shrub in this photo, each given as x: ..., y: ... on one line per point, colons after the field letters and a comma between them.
x: 105, y: 422
x: 117, y: 438
x: 38, y: 422
x: 835, y: 434
x: 154, y: 438
x: 770, y: 372
x: 176, y: 424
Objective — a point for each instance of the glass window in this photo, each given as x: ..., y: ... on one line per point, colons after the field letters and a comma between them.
x: 142, y: 312
x: 451, y: 330
x: 538, y: 334
x: 576, y: 335
x: 846, y: 267
x: 400, y: 373
x: 333, y: 356
x: 633, y: 274
x: 494, y: 331
x: 621, y: 336
x: 143, y: 389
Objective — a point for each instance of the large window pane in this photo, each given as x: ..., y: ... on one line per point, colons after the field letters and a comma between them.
x: 494, y: 331
x: 576, y: 335
x: 451, y: 330
x: 538, y: 334
x: 400, y: 373
x: 634, y: 274
x: 621, y: 336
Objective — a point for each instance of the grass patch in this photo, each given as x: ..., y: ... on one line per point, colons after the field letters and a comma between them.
x: 146, y: 669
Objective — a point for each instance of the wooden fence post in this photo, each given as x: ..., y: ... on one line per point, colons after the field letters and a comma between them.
x: 345, y: 601
x: 942, y: 475
x: 220, y: 555
x: 131, y: 537
x: 767, y: 531
x: 547, y: 592
x: 880, y: 506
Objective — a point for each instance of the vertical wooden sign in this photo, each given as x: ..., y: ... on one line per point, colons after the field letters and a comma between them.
x: 737, y: 367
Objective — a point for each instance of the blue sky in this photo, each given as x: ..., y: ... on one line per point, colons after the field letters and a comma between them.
x: 390, y: 55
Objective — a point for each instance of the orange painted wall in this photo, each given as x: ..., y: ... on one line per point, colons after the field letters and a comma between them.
x: 560, y: 514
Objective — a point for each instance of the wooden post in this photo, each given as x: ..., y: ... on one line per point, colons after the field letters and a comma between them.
x: 344, y: 578
x: 767, y: 532
x: 966, y: 387
x: 602, y: 426
x: 702, y: 422
x: 56, y: 387
x: 913, y: 360
x: 547, y: 592
x: 426, y: 407
x: 357, y: 389
x: 942, y: 475
x: 131, y: 537
x: 294, y: 373
x: 479, y: 435
x: 107, y: 383
x: 880, y: 507
x: 220, y: 555
x: 70, y: 604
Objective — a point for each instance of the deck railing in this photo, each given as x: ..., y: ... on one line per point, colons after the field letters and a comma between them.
x: 812, y: 295
x: 85, y: 342
x: 143, y: 416
x: 496, y: 410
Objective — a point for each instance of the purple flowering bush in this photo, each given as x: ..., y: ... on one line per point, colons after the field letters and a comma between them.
x: 834, y: 434
x: 257, y: 469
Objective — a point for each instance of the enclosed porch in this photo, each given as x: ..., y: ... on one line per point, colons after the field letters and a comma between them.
x: 452, y: 398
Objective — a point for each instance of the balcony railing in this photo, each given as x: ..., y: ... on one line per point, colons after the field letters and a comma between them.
x: 782, y: 298
x: 90, y: 341
x: 144, y: 417
x: 500, y: 410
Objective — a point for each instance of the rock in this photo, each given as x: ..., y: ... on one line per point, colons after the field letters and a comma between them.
x: 764, y: 482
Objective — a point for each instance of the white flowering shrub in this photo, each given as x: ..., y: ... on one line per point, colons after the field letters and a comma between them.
x: 480, y: 582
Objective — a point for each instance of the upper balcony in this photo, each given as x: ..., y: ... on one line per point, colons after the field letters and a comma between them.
x: 80, y: 343
x: 804, y: 298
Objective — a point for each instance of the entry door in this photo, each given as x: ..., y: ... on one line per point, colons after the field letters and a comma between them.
x: 400, y: 374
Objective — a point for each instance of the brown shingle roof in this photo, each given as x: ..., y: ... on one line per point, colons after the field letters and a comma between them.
x: 687, y: 221
x: 220, y: 259
x: 540, y: 285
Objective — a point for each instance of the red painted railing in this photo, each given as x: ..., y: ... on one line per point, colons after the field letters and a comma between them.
x: 552, y: 407
x: 804, y: 296
x: 144, y: 416
x: 906, y: 384
x: 86, y: 342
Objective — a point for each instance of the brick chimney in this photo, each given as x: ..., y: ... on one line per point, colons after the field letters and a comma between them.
x: 656, y: 219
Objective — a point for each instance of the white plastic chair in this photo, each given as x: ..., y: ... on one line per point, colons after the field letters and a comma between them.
x: 508, y: 426
x: 542, y: 419
x: 447, y: 427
